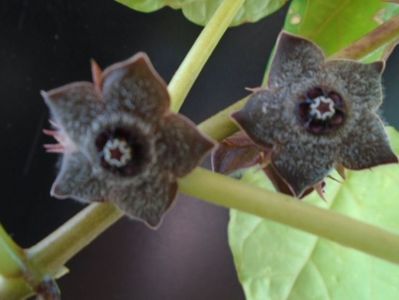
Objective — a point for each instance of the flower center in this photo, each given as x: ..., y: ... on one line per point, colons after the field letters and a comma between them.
x: 122, y: 151
x: 321, y: 110
x: 117, y: 152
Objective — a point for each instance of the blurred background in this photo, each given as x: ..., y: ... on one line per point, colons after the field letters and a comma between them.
x: 45, y: 44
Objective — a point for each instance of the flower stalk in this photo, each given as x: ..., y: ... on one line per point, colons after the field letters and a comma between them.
x: 57, y: 248
x: 220, y: 125
x: 190, y: 68
x: 231, y: 193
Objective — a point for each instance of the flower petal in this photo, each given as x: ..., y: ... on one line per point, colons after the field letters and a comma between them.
x: 361, y: 83
x: 264, y: 117
x: 148, y: 200
x: 181, y: 147
x: 75, y: 180
x: 303, y: 165
x: 74, y: 107
x: 134, y: 86
x: 367, y: 146
x: 295, y: 58
x: 236, y: 152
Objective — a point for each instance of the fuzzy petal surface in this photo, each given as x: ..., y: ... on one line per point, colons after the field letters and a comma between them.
x: 367, y: 146
x: 74, y: 107
x: 303, y: 165
x: 147, y: 201
x: 181, y: 147
x: 296, y: 58
x: 135, y: 87
x: 76, y: 180
x: 265, y: 119
x: 359, y: 83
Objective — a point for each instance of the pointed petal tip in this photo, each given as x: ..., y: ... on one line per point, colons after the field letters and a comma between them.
x: 44, y: 95
x: 392, y: 159
x: 57, y: 192
x: 289, y: 40
x: 297, y: 190
x: 141, y: 56
x: 96, y: 74
x: 153, y: 223
x: 378, y: 66
x: 389, y: 158
x: 296, y: 185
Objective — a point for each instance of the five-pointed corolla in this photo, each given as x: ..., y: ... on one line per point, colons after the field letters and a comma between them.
x: 120, y: 142
x: 317, y: 114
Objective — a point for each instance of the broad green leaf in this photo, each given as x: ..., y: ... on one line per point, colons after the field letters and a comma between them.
x: 276, y: 262
x: 200, y: 11
x: 334, y: 25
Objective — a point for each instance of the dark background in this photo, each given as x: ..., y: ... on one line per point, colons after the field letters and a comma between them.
x: 47, y: 43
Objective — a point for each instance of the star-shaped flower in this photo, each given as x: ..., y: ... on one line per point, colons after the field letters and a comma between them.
x: 120, y: 141
x: 317, y: 114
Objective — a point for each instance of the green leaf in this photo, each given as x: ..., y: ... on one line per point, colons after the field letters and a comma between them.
x: 334, y: 25
x: 275, y: 261
x: 200, y: 11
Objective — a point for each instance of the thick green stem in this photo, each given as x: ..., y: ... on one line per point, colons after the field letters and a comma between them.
x: 200, y: 52
x: 57, y: 248
x: 383, y: 34
x: 221, y: 125
x: 231, y: 193
x: 14, y: 289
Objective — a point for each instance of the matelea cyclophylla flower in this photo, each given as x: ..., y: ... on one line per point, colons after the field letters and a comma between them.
x: 317, y: 114
x: 120, y: 141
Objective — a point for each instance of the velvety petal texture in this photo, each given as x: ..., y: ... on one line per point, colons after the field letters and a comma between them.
x: 317, y: 114
x: 295, y: 59
x: 76, y: 179
x: 268, y: 109
x: 134, y: 86
x: 303, y: 166
x: 128, y: 147
x: 74, y: 107
x: 148, y: 200
x: 181, y: 146
x: 369, y: 149
x: 360, y: 82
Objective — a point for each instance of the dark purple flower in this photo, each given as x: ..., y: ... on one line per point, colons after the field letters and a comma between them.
x: 317, y: 114
x: 120, y: 141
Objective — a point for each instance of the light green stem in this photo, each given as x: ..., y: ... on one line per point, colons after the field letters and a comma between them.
x: 15, y: 289
x: 200, y: 52
x: 57, y: 248
x: 231, y: 193
x: 220, y: 125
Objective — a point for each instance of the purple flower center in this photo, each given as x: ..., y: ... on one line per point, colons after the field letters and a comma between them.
x: 122, y: 151
x: 321, y: 110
